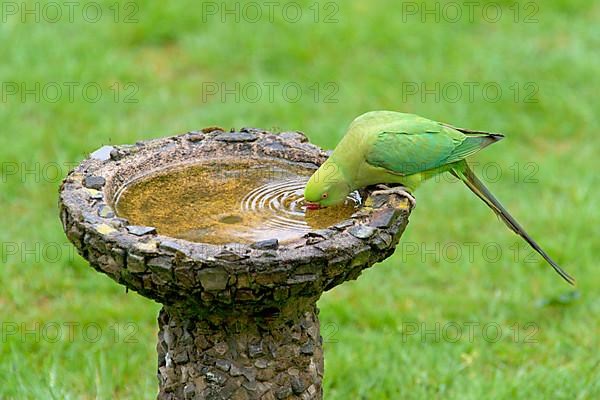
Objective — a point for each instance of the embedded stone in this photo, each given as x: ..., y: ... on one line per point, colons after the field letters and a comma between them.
x: 230, y: 255
x: 181, y: 357
x: 223, y: 365
x: 95, y: 194
x: 240, y: 394
x: 383, y: 241
x: 167, y: 374
x: 213, y: 279
x: 344, y: 224
x: 117, y: 223
x: 313, y: 240
x: 255, y: 350
x: 189, y: 391
x: 296, y: 279
x: 311, y: 391
x: 361, y: 231
x: 230, y: 387
x: 297, y: 385
x: 117, y: 154
x: 308, y: 348
x: 135, y: 263
x: 384, y: 218
x: 261, y: 363
x: 105, y: 229
x: 249, y: 374
x: 195, y: 137
x: 265, y: 374
x: 106, y: 212
x: 161, y: 264
x: 141, y: 230
x: 296, y: 136
x: 184, y: 276
x: 216, y: 377
x: 102, y: 154
x: 275, y: 146
x: 268, y: 254
x: 232, y: 137
x: 284, y: 392
x: 271, y: 278
x: 321, y: 233
x: 172, y: 245
x: 378, y: 201
x: 235, y: 370
x: 250, y: 385
x: 269, y: 244
x: 146, y: 247
x: 94, y: 182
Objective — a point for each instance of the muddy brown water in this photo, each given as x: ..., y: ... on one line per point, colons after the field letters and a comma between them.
x: 228, y: 201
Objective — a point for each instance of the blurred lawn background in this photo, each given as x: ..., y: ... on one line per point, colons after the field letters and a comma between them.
x: 363, y: 55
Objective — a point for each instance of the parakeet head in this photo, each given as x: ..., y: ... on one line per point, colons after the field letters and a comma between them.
x: 326, y: 187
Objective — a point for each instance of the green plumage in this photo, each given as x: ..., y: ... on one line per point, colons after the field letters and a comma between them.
x: 407, y: 147
x: 408, y: 153
x: 392, y: 147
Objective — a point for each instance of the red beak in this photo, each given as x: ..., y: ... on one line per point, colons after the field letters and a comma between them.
x: 312, y: 206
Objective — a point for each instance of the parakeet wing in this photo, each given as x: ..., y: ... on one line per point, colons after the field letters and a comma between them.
x: 419, y: 145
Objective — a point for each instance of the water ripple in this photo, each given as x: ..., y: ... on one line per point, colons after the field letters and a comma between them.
x: 281, y: 204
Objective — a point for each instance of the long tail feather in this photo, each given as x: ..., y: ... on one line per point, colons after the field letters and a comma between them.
x: 495, y: 135
x: 465, y: 174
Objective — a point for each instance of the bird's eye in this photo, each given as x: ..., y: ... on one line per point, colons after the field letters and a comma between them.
x: 325, y: 195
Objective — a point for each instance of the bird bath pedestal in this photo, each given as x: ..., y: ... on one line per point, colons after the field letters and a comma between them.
x: 239, y: 321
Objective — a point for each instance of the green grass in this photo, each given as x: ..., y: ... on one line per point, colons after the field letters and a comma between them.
x: 371, y: 55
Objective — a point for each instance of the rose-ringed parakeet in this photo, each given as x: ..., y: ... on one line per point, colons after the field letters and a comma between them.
x: 384, y: 147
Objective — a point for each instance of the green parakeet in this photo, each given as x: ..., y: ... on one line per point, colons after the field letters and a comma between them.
x: 391, y: 147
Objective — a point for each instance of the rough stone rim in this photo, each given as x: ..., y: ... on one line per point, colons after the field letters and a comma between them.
x: 86, y: 209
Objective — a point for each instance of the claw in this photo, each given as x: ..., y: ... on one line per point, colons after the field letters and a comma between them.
x: 398, y: 190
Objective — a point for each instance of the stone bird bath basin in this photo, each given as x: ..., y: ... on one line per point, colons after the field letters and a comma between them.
x: 239, y: 319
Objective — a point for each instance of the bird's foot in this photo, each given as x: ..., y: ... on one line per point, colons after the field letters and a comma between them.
x: 397, y: 190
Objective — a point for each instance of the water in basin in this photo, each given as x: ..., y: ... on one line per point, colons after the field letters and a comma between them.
x: 228, y: 201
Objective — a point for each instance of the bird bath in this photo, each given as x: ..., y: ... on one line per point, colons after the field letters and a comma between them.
x: 211, y: 225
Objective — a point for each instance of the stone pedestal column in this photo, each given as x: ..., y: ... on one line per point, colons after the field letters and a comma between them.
x: 247, y: 357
